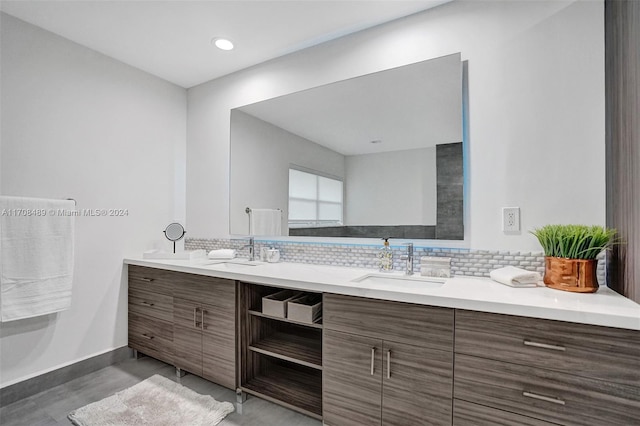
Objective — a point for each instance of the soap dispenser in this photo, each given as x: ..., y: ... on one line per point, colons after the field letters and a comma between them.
x: 385, y: 257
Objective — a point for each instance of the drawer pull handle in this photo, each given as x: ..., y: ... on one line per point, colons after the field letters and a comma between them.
x: 543, y: 398
x: 544, y: 345
x: 146, y: 303
x: 146, y: 336
x: 195, y: 317
x: 388, y: 364
x: 373, y: 358
x: 147, y: 279
x: 202, y: 327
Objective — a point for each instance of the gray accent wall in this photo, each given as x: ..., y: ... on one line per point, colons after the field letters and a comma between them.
x: 450, y: 179
x: 426, y: 232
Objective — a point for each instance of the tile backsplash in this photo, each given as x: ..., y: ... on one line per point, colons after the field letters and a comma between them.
x: 463, y: 261
x: 470, y: 262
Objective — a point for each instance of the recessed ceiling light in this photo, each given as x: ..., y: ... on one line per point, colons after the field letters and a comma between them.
x: 222, y: 43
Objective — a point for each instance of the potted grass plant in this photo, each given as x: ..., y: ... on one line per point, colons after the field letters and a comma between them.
x: 571, y: 253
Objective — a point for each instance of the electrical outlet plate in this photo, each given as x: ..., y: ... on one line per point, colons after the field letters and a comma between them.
x: 511, y: 219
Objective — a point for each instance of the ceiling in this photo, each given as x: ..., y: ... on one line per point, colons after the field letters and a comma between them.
x: 172, y: 39
x: 409, y: 107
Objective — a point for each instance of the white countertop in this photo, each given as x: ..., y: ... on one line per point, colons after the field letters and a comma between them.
x: 605, y: 307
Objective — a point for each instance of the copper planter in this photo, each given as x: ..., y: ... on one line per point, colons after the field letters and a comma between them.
x: 575, y: 275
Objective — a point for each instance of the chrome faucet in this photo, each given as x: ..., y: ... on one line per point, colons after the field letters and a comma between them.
x: 251, y: 247
x: 409, y: 258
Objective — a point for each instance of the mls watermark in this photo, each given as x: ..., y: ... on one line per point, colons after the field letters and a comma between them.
x: 65, y: 212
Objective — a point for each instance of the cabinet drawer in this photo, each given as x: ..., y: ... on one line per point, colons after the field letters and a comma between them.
x: 151, y: 337
x: 468, y: 414
x: 151, y: 279
x: 212, y: 291
x: 585, y: 350
x: 151, y: 304
x: 545, y: 394
x: 394, y: 321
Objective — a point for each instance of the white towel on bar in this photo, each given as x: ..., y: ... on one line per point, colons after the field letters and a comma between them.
x: 265, y: 222
x: 222, y: 254
x: 36, y: 256
x: 515, y: 277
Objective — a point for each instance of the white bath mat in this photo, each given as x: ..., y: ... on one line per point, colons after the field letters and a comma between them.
x: 156, y: 401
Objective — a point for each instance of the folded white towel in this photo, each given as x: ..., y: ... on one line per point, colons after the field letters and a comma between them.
x: 36, y: 257
x: 222, y: 254
x: 515, y: 277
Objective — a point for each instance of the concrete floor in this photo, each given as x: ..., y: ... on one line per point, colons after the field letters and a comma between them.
x: 50, y: 407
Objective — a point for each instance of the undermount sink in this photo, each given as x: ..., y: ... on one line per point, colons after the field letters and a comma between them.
x: 232, y: 263
x: 390, y: 281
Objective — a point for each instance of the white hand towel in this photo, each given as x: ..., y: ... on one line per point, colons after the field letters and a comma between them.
x: 265, y: 222
x: 515, y: 277
x: 222, y: 254
x: 36, y: 256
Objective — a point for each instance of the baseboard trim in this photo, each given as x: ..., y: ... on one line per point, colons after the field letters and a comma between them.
x: 37, y: 384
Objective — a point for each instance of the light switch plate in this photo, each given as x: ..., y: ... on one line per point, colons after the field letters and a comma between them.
x: 511, y: 219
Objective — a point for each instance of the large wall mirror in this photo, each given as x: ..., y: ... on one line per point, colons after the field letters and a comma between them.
x: 374, y: 156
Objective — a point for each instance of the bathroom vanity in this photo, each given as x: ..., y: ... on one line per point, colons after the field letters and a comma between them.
x: 186, y: 320
x: 468, y: 352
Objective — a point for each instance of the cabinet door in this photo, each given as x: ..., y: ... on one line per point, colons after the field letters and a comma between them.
x: 417, y: 385
x: 352, y: 376
x: 218, y: 344
x: 187, y: 336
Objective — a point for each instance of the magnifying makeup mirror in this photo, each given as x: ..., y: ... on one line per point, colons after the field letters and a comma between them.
x: 174, y: 232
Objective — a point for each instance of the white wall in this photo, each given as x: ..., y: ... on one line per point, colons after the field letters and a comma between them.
x: 264, y: 150
x: 391, y: 188
x: 78, y: 124
x: 536, y: 109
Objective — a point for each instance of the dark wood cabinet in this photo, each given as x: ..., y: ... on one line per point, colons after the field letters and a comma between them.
x: 375, y: 362
x: 185, y: 319
x: 204, y: 333
x: 204, y: 339
x: 417, y: 385
x: 469, y: 414
x: 547, y: 371
x: 280, y: 359
x: 150, y: 328
x: 428, y: 326
x: 219, y: 343
x: 374, y: 379
x: 187, y: 335
x: 352, y: 372
x: 545, y: 394
x: 606, y: 353
x: 151, y: 337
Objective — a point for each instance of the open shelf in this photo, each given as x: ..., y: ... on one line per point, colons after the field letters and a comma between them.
x: 260, y: 314
x: 297, y: 389
x: 299, y: 348
x: 280, y: 358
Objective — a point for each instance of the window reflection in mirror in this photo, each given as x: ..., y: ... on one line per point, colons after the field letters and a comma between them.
x: 314, y: 200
